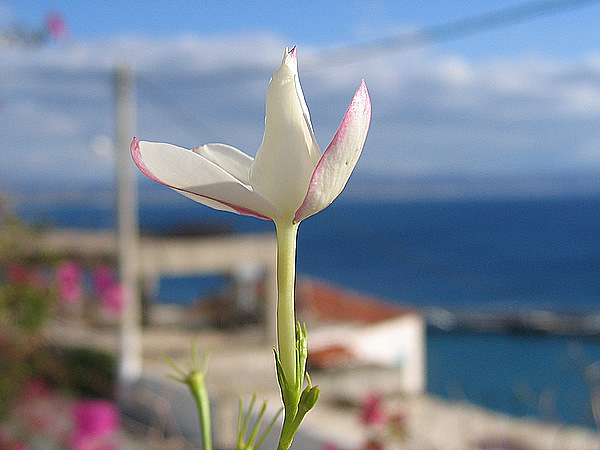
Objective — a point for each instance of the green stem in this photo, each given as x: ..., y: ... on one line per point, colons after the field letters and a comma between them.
x: 194, y: 379
x: 286, y: 320
x: 198, y: 388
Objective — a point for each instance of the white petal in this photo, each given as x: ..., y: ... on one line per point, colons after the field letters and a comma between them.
x: 340, y: 158
x: 289, y: 152
x: 229, y: 158
x: 201, y: 179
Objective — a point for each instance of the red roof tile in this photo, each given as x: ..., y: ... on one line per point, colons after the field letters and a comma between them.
x: 330, y: 303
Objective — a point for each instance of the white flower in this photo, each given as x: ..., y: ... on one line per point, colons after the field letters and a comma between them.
x: 289, y: 180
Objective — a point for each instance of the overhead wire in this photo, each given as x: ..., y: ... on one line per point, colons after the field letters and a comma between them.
x: 338, y: 56
x: 180, y: 112
x: 463, y: 27
x: 350, y: 53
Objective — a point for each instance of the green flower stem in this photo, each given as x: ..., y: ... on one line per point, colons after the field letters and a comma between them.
x: 198, y: 388
x: 286, y: 320
x: 194, y: 379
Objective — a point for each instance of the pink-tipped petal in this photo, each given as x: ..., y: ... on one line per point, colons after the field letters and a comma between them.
x: 340, y: 158
x: 199, y: 178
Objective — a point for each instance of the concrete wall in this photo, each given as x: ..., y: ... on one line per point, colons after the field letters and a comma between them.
x: 397, y: 342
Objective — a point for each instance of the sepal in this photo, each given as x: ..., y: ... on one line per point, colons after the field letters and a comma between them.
x: 309, y: 397
x: 296, y: 401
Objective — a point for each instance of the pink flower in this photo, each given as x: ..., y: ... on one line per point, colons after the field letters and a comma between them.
x: 80, y: 441
x: 372, y: 410
x: 112, y: 300
x: 104, y: 278
x: 69, y: 282
x: 95, y: 419
x: 108, y: 289
x: 56, y: 26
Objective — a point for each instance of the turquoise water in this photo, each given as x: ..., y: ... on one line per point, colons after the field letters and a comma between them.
x: 541, y: 376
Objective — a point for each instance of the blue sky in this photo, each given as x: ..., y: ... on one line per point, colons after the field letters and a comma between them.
x: 520, y: 99
x: 566, y: 34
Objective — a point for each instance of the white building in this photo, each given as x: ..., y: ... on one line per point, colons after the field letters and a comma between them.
x: 347, y: 328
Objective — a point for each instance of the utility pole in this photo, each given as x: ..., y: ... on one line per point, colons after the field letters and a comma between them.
x: 130, y: 358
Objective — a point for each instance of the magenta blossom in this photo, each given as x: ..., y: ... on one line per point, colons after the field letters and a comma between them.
x: 96, y: 418
x: 372, y: 411
x: 112, y: 300
x: 108, y: 289
x: 104, y: 278
x: 69, y: 282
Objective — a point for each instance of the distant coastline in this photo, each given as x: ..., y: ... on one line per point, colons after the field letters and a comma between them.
x: 362, y: 186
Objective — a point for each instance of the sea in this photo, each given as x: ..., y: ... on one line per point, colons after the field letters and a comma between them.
x: 461, y: 256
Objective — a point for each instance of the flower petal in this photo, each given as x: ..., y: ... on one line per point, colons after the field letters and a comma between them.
x: 340, y: 158
x: 202, y: 179
x: 229, y: 158
x: 289, y: 152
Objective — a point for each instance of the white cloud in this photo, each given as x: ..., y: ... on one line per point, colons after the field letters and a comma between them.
x: 46, y: 121
x: 583, y: 98
x: 431, y: 113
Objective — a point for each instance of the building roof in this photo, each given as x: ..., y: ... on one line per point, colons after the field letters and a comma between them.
x: 323, y: 301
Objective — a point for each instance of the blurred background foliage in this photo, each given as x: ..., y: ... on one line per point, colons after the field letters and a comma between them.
x: 30, y: 300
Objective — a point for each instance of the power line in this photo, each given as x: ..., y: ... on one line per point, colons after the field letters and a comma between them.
x: 180, y: 112
x: 325, y: 59
x: 445, y: 32
x: 351, y: 53
x: 348, y: 53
